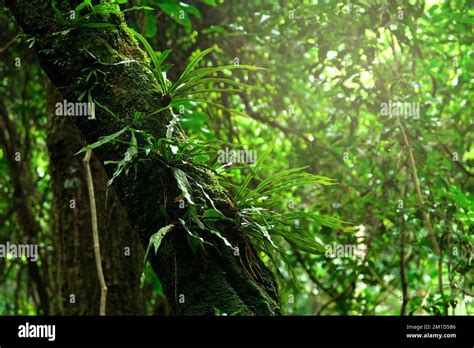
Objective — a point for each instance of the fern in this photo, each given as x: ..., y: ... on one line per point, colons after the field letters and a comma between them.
x: 192, y: 80
x: 257, y: 198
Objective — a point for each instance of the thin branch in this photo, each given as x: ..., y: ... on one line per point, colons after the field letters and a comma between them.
x: 440, y: 282
x: 419, y: 195
x: 95, y: 233
x: 274, y: 124
x: 311, y: 275
x: 403, y: 264
x: 440, y: 273
x: 8, y: 44
x: 337, y: 297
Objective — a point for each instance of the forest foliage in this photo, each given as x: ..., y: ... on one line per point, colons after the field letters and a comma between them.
x: 359, y: 196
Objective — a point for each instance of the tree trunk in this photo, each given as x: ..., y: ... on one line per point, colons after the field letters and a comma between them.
x: 194, y: 283
x: 25, y: 198
x: 122, y: 254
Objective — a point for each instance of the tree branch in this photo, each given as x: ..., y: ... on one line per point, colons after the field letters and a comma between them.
x: 419, y: 195
x: 95, y: 233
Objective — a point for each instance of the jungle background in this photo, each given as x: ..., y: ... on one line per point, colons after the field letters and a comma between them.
x: 400, y: 188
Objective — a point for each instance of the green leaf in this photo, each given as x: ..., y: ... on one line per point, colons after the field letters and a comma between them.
x: 82, y: 5
x: 56, y: 10
x: 134, y: 8
x: 195, y: 242
x: 133, y: 149
x: 265, y: 233
x: 194, y: 216
x: 210, y: 2
x: 305, y: 244
x: 173, y: 10
x: 183, y: 184
x: 217, y: 233
x: 193, y: 63
x: 212, y: 214
x: 163, y: 55
x: 150, y: 24
x: 200, y: 158
x: 215, y: 29
x: 103, y: 140
x: 150, y: 275
x: 156, y: 62
x: 155, y: 239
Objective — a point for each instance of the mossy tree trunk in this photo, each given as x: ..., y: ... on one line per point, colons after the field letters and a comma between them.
x: 195, y: 284
x: 122, y: 255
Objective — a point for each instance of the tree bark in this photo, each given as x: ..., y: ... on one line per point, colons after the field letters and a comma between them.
x: 194, y: 283
x: 122, y: 254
